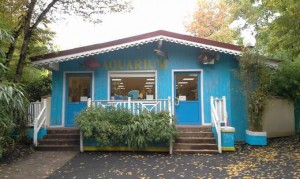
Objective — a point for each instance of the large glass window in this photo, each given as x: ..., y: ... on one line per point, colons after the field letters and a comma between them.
x: 134, y: 85
x: 187, y: 87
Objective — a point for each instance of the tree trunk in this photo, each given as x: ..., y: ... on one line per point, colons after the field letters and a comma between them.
x: 22, y: 57
x: 12, y: 47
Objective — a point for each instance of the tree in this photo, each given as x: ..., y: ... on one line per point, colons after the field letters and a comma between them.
x: 276, y: 23
x: 211, y: 20
x: 13, y: 102
x: 34, y: 14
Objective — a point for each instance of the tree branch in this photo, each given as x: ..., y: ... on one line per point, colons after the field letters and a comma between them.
x: 43, y: 14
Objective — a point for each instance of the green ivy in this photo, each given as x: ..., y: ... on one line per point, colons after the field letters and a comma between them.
x: 111, y: 127
x: 255, y: 75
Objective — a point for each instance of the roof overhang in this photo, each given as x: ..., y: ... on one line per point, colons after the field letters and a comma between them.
x: 120, y: 44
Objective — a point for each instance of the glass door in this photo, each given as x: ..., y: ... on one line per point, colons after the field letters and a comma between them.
x: 187, y: 98
x: 77, y: 93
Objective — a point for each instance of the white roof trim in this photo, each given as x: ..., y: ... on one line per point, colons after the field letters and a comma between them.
x: 132, y: 44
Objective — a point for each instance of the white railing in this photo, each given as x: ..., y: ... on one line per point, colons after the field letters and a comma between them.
x: 216, y: 123
x: 39, y: 121
x: 134, y: 106
x: 34, y: 110
x: 220, y: 106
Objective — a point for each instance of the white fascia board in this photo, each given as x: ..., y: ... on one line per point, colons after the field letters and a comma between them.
x: 132, y: 44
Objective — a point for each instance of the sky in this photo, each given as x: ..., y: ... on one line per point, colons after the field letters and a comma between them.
x: 147, y: 16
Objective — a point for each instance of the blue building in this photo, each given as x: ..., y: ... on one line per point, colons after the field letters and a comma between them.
x: 152, y: 66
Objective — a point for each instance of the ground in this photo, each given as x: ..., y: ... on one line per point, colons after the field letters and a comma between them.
x: 280, y: 159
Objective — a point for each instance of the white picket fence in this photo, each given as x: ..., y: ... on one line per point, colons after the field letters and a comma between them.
x: 37, y: 115
x: 34, y: 110
x: 134, y: 106
x: 218, y: 117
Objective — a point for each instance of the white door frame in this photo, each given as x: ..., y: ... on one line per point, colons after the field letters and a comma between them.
x: 65, y: 88
x: 201, y: 90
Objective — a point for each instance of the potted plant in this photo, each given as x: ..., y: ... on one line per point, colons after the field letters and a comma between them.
x: 255, y: 76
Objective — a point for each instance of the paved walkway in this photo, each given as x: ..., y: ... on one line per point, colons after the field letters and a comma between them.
x: 40, y: 164
x: 280, y: 159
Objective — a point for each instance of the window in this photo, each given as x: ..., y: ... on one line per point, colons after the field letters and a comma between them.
x: 187, y: 87
x: 79, y: 89
x: 135, y: 85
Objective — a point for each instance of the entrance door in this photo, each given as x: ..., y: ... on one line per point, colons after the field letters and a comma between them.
x: 187, y: 98
x: 77, y: 93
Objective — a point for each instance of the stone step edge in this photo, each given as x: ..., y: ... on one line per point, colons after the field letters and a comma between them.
x: 195, y: 151
x: 182, y: 138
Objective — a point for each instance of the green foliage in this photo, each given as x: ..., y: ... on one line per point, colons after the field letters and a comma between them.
x: 13, y: 107
x: 276, y: 24
x: 286, y: 81
x: 255, y: 76
x: 111, y: 126
x: 103, y: 124
x: 38, y: 88
x: 149, y: 127
x: 13, y: 112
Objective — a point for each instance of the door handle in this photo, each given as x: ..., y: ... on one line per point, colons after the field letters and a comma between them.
x: 176, y: 101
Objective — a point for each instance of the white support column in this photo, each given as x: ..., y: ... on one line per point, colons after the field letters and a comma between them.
x: 81, y: 141
x: 35, y: 131
x: 170, y: 115
x: 89, y: 102
x: 129, y: 104
x: 225, y: 117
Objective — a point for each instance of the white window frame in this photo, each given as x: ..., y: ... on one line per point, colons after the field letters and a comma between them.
x: 133, y: 73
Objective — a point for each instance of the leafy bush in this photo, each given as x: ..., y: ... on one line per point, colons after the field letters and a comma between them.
x: 286, y: 80
x: 147, y: 128
x: 255, y: 75
x: 103, y: 124
x: 111, y: 126
x: 13, y: 103
x: 38, y: 88
x: 13, y: 110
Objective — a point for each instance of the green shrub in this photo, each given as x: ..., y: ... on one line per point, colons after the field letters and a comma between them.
x: 111, y: 126
x: 149, y: 127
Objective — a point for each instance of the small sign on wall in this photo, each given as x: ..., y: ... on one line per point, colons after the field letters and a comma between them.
x: 182, y: 98
x: 83, y: 98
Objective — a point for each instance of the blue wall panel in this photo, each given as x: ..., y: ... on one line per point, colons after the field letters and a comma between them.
x: 218, y: 80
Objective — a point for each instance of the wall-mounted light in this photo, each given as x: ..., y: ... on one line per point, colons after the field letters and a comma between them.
x: 207, y: 56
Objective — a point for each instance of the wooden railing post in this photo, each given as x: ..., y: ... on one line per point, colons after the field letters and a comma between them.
x: 170, y: 115
x: 89, y: 102
x: 129, y: 104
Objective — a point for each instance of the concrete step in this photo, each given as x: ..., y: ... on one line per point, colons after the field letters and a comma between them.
x: 195, y: 134
x: 63, y: 130
x: 204, y: 151
x: 192, y: 146
x: 193, y: 128
x: 62, y: 136
x: 60, y: 139
x: 57, y: 148
x: 60, y: 142
x: 198, y: 140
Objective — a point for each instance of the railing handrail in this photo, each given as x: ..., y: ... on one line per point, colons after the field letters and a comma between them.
x: 38, y: 122
x: 216, y: 123
x: 132, y: 100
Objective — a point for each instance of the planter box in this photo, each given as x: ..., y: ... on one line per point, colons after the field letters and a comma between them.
x: 256, y: 138
x: 227, y: 135
x: 41, y: 133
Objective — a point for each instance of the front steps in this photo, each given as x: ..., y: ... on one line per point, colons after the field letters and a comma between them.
x: 60, y: 139
x: 195, y: 139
